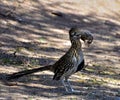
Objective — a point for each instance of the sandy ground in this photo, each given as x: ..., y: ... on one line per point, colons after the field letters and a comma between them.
x: 32, y: 34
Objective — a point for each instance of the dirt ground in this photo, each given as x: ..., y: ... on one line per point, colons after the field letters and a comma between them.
x: 35, y: 33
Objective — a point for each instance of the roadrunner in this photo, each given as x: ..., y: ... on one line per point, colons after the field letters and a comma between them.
x: 71, y: 62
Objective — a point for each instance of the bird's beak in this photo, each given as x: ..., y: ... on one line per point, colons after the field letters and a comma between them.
x: 87, y: 42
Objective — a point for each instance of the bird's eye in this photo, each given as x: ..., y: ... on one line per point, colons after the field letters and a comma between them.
x: 75, y: 33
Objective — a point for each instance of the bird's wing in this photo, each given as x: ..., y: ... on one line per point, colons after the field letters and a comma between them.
x: 62, y: 66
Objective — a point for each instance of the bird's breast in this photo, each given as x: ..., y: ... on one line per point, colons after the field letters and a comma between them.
x: 78, y: 58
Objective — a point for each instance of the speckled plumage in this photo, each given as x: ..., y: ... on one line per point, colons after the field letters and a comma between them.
x: 71, y: 62
x: 67, y: 64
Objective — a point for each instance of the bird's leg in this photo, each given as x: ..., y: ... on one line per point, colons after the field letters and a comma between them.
x: 69, y: 85
x: 65, y: 85
x: 70, y: 90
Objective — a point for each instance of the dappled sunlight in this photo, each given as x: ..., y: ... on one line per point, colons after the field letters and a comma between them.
x: 34, y: 33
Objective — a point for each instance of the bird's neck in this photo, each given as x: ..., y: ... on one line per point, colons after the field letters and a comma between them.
x: 76, y: 44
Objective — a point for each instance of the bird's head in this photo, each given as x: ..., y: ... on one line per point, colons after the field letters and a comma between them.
x: 85, y: 35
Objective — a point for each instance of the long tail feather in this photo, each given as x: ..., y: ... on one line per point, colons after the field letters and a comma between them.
x: 26, y: 72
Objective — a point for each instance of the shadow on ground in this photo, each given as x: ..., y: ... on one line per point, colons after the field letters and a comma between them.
x: 29, y: 86
x: 37, y: 31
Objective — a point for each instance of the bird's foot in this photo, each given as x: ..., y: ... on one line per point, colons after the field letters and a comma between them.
x: 72, y: 91
x: 76, y: 91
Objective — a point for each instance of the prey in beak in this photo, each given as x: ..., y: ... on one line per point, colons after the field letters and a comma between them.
x: 87, y: 37
x: 88, y: 42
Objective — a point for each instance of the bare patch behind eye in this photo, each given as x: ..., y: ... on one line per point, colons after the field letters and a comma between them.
x: 73, y: 34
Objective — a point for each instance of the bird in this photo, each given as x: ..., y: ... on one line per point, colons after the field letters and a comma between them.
x: 71, y: 62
